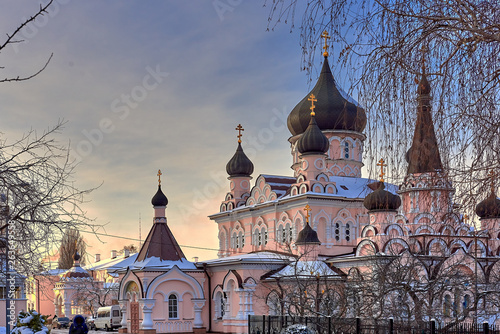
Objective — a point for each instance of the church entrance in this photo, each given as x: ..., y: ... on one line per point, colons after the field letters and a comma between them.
x: 134, y: 317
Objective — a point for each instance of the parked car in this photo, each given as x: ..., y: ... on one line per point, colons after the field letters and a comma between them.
x: 108, y: 318
x: 90, y: 322
x: 61, y: 322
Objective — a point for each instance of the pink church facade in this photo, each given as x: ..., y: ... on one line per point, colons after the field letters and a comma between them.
x: 266, y: 235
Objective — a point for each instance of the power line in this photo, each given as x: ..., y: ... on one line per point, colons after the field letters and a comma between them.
x: 135, y: 239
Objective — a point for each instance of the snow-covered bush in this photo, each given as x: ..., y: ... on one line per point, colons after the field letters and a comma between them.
x: 31, y: 323
x: 298, y: 329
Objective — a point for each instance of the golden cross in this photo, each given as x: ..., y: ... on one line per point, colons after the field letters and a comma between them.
x: 466, y: 218
x: 159, y: 177
x: 382, y: 165
x: 239, y: 128
x: 326, y: 37
x: 424, y: 51
x: 307, y: 209
x: 313, y: 99
x: 492, y: 175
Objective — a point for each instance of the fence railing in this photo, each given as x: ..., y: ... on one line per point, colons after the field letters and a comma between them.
x: 264, y: 324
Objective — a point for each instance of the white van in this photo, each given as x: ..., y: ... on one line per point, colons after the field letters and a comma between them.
x: 108, y: 317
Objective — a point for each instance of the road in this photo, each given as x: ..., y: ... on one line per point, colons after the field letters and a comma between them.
x: 66, y: 331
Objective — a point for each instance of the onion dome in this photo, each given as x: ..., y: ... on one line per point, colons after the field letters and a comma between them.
x: 159, y: 199
x: 307, y: 236
x: 336, y: 110
x: 313, y: 141
x: 76, y: 257
x: 380, y: 199
x: 76, y: 271
x: 489, y: 208
x: 239, y: 165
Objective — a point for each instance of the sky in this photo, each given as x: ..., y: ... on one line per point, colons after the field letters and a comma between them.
x: 155, y: 85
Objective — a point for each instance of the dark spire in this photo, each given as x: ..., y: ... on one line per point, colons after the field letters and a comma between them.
x: 380, y: 199
x: 334, y: 111
x: 239, y: 165
x: 313, y: 141
x: 76, y: 257
x: 423, y: 155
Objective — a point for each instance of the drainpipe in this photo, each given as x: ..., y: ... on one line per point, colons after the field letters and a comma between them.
x: 209, y: 298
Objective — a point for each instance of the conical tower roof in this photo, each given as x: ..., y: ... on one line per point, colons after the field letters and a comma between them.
x: 423, y: 155
x: 160, y: 241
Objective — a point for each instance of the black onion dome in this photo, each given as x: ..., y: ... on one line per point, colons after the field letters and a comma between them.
x: 380, y: 199
x: 307, y: 236
x: 77, y: 256
x: 159, y: 199
x: 489, y: 208
x: 239, y: 165
x: 334, y: 112
x: 313, y: 141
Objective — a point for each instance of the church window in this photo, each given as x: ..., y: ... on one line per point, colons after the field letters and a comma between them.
x: 290, y: 233
x: 347, y: 232
x: 281, y: 235
x: 241, y: 236
x: 346, y: 150
x: 234, y: 241
x: 237, y: 239
x: 447, y: 306
x: 466, y: 302
x: 259, y: 238
x: 337, y: 231
x: 172, y: 307
x: 264, y: 236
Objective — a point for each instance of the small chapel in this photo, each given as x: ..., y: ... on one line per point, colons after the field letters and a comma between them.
x: 312, y: 242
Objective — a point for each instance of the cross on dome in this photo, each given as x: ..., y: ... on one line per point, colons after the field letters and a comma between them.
x: 326, y: 37
x: 382, y: 164
x: 239, y: 128
x: 159, y: 177
x: 492, y: 176
x: 313, y: 99
x: 307, y: 209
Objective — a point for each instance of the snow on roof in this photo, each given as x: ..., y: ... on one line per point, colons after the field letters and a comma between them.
x: 155, y: 263
x: 305, y: 269
x: 263, y: 257
x: 123, y: 264
x: 107, y: 263
x: 356, y: 187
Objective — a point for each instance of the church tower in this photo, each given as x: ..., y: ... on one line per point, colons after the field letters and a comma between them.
x: 425, y: 188
x: 340, y: 118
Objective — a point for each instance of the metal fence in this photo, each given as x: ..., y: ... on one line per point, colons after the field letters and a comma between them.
x: 263, y: 324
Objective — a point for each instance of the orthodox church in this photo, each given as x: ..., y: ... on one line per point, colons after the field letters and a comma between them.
x: 326, y: 224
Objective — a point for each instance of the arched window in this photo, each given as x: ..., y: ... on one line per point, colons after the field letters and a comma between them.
x: 280, y: 236
x: 234, y: 241
x: 219, y: 305
x: 447, y: 306
x: 264, y: 236
x: 290, y: 233
x: 241, y: 236
x: 347, y: 232
x: 259, y: 238
x: 256, y: 237
x: 466, y: 303
x: 346, y: 150
x: 237, y: 241
x: 337, y: 231
x: 173, y: 307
